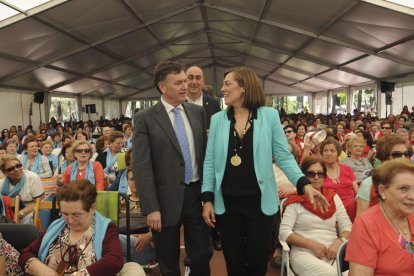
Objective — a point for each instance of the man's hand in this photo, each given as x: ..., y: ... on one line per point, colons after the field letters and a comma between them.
x: 154, y: 221
x: 316, y: 198
x: 208, y: 214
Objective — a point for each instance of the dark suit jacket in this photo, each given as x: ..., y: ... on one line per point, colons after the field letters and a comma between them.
x: 211, y: 106
x: 157, y: 161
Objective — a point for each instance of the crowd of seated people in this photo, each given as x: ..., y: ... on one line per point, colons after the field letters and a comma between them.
x: 347, y: 153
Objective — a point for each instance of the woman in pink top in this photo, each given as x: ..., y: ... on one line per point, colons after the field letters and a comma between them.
x: 381, y: 242
x: 83, y: 167
x: 340, y: 177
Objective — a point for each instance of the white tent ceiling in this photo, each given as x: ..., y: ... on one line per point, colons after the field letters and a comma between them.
x: 108, y: 48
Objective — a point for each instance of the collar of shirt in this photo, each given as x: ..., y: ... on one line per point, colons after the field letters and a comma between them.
x: 198, y: 101
x: 169, y: 107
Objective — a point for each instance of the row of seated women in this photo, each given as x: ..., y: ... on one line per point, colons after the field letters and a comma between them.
x: 315, y: 236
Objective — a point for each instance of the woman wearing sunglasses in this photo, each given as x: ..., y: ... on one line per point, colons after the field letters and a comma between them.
x: 381, y: 242
x: 313, y: 234
x: 20, y: 182
x: 83, y: 167
x: 389, y: 147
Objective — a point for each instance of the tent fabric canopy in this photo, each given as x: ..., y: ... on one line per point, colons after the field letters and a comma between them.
x: 109, y: 48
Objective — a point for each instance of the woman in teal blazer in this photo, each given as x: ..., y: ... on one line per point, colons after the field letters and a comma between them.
x: 238, y: 180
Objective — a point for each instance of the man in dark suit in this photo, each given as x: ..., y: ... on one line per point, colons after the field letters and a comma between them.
x: 195, y: 95
x: 168, y: 150
x: 196, y: 81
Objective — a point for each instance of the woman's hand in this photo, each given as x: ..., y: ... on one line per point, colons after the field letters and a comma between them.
x: 319, y: 249
x: 142, y: 241
x: 316, y: 198
x: 285, y: 191
x: 208, y: 214
x: 333, y: 249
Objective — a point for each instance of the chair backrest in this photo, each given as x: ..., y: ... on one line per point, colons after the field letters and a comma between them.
x: 19, y: 235
x: 13, y: 204
x: 37, y: 220
x: 107, y: 203
x: 341, y: 263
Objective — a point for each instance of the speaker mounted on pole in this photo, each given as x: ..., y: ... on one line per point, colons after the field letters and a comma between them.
x: 387, y: 87
x: 39, y: 97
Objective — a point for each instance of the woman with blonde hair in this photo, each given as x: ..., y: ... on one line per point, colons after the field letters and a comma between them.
x: 83, y: 167
x: 360, y: 165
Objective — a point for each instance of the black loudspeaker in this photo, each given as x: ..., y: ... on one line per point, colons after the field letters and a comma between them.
x: 90, y: 108
x: 39, y: 97
x: 387, y: 86
x: 388, y: 98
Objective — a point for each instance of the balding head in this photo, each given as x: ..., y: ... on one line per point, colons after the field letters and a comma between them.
x: 195, y: 82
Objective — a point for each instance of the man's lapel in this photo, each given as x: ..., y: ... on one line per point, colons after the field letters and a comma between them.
x: 164, y: 121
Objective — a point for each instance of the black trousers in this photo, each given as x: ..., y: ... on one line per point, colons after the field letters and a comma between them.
x: 246, y: 234
x: 196, y: 238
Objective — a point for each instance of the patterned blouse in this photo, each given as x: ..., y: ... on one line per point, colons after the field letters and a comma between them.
x: 12, y: 256
x: 78, y: 255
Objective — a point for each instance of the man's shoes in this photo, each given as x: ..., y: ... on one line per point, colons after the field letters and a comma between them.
x: 217, y: 245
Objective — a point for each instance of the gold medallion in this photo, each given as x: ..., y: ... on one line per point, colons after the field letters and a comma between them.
x: 235, y: 160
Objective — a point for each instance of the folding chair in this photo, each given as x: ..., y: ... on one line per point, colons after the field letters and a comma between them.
x: 341, y: 264
x: 285, y: 250
x: 107, y: 203
x: 42, y: 219
x: 12, y: 207
x: 19, y: 235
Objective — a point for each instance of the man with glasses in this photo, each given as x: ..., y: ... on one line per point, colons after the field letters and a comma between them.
x: 386, y: 129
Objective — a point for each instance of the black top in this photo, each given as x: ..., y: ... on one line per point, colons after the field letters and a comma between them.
x: 240, y: 180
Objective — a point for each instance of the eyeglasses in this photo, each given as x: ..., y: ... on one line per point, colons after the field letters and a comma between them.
x: 313, y: 174
x: 82, y: 150
x: 39, y: 140
x: 288, y: 131
x: 398, y: 154
x: 16, y: 167
x: 385, y: 128
x: 75, y: 216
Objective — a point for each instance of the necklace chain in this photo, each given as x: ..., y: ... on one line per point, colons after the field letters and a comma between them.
x: 395, y: 226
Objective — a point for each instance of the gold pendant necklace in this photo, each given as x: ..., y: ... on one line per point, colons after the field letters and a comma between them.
x: 236, y: 160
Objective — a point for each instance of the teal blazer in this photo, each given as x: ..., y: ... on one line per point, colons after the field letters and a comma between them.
x: 268, y: 140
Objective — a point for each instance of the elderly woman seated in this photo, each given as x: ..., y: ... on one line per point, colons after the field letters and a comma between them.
x: 27, y: 184
x: 82, y: 242
x: 359, y: 164
x: 389, y: 147
x: 381, y: 242
x: 33, y: 161
x: 313, y: 234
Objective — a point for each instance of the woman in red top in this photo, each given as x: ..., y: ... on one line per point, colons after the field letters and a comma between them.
x: 83, y: 168
x: 381, y: 242
x: 340, y: 177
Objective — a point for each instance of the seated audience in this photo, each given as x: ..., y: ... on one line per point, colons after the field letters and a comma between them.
x: 33, y: 161
x: 46, y: 150
x: 313, y: 234
x: 82, y: 242
x: 83, y: 167
x: 108, y: 157
x: 381, y: 238
x: 388, y: 147
x: 20, y: 182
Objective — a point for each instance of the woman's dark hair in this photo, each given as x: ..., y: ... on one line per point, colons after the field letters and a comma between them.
x: 331, y: 141
x: 100, y: 143
x: 65, y: 147
x: 29, y: 140
x: 367, y: 138
x: 299, y: 125
x: 310, y: 160
x: 246, y: 78
x: 82, y: 190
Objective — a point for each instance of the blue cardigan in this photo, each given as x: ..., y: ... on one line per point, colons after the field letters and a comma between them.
x: 268, y: 140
